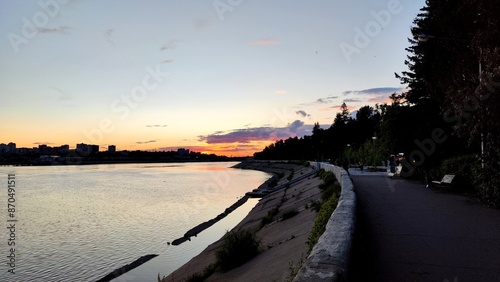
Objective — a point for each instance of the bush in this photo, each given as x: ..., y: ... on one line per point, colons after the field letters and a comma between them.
x: 237, y: 248
x: 489, y: 186
x: 329, y: 199
x: 269, y: 217
x: 464, y: 168
x: 273, y: 183
x: 289, y: 214
x: 321, y: 220
x: 316, y: 205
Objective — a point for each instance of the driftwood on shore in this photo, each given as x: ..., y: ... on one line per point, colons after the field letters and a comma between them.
x: 200, y: 227
x: 124, y: 269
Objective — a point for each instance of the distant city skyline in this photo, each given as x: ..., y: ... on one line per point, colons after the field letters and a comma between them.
x: 13, y: 146
x: 223, y: 77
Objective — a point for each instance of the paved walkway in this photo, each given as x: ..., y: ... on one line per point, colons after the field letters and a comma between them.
x: 407, y: 232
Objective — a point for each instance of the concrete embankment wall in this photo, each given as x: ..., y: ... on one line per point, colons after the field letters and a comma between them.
x: 329, y: 259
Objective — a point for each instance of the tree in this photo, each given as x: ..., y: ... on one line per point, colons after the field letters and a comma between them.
x: 444, y: 75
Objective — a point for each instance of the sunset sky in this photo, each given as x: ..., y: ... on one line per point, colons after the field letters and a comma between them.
x: 225, y: 76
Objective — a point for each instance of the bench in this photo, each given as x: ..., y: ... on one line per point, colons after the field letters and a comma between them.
x: 446, y: 181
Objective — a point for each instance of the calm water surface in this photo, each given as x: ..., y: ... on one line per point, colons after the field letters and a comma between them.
x: 78, y: 223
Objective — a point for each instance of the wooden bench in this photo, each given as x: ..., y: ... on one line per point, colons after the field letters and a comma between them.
x: 446, y: 181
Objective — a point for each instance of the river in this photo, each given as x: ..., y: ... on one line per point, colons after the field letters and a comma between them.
x: 79, y: 223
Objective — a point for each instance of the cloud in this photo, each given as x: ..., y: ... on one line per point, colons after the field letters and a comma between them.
x: 377, y: 91
x: 169, y: 45
x: 280, y: 91
x: 42, y: 143
x: 61, y: 30
x: 320, y: 101
x: 336, y: 107
x: 146, y: 142
x: 247, y: 135
x: 218, y: 149
x: 60, y: 96
x: 265, y: 42
x: 108, y: 34
x: 167, y: 61
x: 352, y: 100
x: 373, y: 95
x: 201, y: 24
x: 302, y: 113
x: 156, y: 125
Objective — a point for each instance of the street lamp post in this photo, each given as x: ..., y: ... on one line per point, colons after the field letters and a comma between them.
x: 424, y: 38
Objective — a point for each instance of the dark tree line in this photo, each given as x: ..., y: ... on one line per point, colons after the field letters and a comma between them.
x: 448, y: 121
x: 331, y: 143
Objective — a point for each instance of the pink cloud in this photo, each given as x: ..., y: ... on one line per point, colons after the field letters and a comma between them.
x: 265, y: 42
x: 170, y: 45
x: 247, y: 135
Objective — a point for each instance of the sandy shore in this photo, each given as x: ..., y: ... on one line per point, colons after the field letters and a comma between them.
x: 283, y: 241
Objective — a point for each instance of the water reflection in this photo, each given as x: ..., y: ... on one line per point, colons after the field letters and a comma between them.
x: 84, y: 221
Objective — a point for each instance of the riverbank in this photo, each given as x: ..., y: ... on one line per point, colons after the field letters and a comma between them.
x: 283, y: 240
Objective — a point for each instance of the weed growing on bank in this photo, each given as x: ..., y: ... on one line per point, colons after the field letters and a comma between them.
x: 330, y: 193
x: 238, y: 247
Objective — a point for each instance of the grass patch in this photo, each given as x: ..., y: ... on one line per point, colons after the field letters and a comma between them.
x: 315, y: 205
x: 294, y: 269
x: 269, y: 217
x: 237, y: 248
x: 207, y: 272
x: 289, y: 214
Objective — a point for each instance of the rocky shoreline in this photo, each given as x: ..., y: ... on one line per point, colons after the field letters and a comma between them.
x: 283, y: 239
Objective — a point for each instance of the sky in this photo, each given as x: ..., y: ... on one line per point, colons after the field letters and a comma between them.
x: 220, y: 76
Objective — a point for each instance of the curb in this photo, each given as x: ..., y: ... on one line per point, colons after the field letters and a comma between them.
x: 329, y: 259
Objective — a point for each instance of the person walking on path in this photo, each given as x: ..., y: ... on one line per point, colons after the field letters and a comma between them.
x: 345, y: 165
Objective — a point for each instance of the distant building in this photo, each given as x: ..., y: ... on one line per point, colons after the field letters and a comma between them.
x: 64, y: 149
x: 7, y: 148
x: 87, y: 149
x: 3, y: 148
x: 111, y: 149
x: 43, y: 149
x: 12, y: 147
x: 94, y: 148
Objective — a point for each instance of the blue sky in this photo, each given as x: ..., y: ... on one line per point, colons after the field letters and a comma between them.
x: 215, y: 76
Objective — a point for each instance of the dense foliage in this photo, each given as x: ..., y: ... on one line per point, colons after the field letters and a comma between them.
x: 451, y: 110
